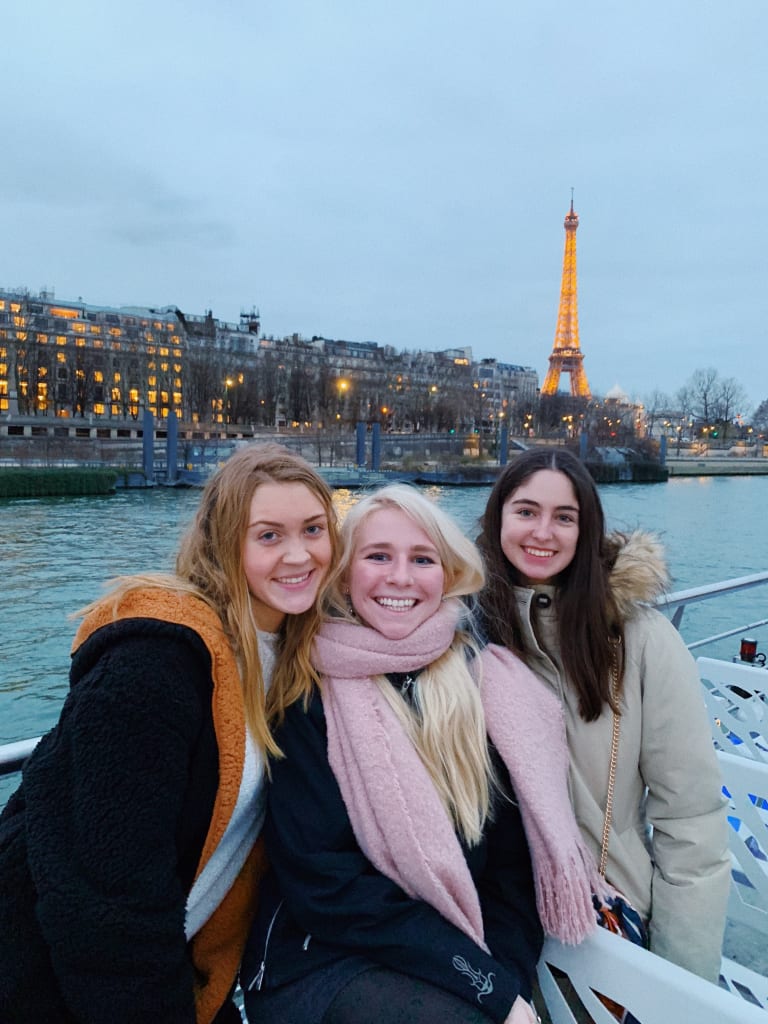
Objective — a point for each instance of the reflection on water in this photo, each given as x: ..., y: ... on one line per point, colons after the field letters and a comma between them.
x: 57, y: 553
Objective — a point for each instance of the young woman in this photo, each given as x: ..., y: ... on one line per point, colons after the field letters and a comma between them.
x: 129, y: 857
x: 403, y: 889
x: 573, y: 603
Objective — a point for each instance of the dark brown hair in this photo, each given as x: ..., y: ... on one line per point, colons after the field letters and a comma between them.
x: 587, y: 618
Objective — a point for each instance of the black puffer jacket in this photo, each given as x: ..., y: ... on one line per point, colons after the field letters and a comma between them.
x: 325, y: 903
x: 99, y: 845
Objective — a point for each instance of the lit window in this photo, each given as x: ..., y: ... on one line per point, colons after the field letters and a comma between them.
x: 61, y: 339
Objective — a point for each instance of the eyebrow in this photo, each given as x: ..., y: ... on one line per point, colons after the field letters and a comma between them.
x: 531, y: 501
x: 276, y: 522
x: 378, y: 545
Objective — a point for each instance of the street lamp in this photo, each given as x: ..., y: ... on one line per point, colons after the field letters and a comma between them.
x: 228, y: 383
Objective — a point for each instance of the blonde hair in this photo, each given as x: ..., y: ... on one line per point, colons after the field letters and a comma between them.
x: 209, y: 565
x: 446, y: 724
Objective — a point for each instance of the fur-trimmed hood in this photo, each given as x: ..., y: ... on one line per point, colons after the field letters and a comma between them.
x: 639, y: 574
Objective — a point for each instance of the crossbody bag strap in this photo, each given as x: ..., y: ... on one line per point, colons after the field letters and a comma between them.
x: 615, y: 645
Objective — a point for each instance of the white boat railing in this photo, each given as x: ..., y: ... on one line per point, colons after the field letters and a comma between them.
x: 679, y: 601
x: 13, y: 755
x: 653, y: 990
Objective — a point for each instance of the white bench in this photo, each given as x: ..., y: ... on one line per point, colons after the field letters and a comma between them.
x: 656, y: 991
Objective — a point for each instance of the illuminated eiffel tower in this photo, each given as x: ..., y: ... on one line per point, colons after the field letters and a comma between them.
x: 567, y: 356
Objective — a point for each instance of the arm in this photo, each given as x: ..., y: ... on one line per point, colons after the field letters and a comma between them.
x: 335, y: 893
x: 685, y: 806
x: 104, y: 794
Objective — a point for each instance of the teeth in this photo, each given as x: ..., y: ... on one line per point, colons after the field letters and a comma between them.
x: 397, y: 603
x: 539, y: 553
x: 293, y: 579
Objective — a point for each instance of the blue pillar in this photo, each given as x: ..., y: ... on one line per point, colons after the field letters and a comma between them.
x: 663, y: 450
x: 376, y: 446
x: 504, y: 446
x: 171, y: 448
x: 583, y: 445
x: 148, y: 445
x: 360, y: 444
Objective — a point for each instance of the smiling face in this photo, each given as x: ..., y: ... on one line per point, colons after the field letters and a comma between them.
x: 286, y: 553
x: 540, y: 526
x: 395, y: 576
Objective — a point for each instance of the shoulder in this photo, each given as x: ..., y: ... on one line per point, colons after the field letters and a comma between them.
x: 147, y: 640
x: 639, y: 572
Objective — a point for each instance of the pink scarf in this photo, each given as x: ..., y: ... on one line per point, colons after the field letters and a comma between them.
x: 395, y: 811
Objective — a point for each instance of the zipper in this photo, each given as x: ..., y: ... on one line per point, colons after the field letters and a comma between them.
x: 257, y: 981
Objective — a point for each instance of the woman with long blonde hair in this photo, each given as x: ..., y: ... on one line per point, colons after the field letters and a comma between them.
x: 130, y: 855
x: 400, y: 821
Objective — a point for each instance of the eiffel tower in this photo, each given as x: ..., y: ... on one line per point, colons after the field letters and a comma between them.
x: 567, y: 356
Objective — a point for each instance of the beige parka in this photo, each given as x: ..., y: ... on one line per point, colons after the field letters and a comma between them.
x: 668, y: 850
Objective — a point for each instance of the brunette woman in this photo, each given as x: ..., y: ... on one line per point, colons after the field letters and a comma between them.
x: 574, y: 603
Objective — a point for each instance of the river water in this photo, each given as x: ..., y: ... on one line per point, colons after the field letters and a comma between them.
x: 57, y: 553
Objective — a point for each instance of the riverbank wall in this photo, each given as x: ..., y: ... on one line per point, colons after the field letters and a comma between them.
x: 723, y: 466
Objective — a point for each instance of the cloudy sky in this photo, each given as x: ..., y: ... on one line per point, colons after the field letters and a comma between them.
x: 398, y: 171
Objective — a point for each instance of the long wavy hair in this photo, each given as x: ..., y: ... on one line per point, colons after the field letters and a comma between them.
x: 209, y: 565
x: 588, y: 620
x: 445, y: 723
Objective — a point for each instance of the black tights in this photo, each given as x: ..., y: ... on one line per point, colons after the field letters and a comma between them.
x: 381, y: 996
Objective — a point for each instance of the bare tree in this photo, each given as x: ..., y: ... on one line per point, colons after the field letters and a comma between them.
x: 703, y: 390
x: 731, y: 400
x: 655, y: 405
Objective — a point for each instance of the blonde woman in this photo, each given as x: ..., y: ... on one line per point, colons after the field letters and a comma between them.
x: 129, y: 857
x: 403, y: 889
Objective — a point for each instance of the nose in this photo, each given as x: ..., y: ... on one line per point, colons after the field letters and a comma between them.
x: 295, y: 550
x: 543, y: 526
x: 400, y: 572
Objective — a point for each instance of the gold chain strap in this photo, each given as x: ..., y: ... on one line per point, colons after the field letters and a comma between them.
x: 615, y: 644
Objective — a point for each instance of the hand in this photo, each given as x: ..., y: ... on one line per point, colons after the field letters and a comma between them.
x: 522, y: 1013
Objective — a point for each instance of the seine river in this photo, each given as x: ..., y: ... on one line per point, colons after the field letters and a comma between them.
x: 57, y: 553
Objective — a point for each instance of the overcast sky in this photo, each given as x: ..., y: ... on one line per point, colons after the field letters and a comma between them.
x: 398, y: 171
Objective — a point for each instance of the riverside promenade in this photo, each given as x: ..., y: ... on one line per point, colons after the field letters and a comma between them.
x: 716, y: 465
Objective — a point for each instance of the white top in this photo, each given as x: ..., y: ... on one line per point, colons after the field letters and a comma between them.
x: 215, y: 880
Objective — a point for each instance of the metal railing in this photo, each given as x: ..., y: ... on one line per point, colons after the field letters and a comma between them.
x: 13, y: 755
x: 680, y: 600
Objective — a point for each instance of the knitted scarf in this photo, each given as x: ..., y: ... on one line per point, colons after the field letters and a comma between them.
x: 396, y: 813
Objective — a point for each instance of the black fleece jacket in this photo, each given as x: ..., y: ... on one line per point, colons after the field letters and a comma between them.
x: 325, y: 901
x: 99, y: 845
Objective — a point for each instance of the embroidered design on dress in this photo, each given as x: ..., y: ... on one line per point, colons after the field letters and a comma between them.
x: 482, y: 982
